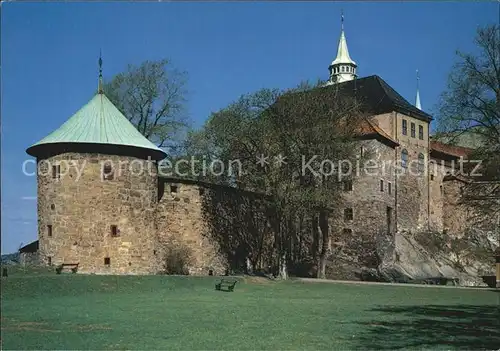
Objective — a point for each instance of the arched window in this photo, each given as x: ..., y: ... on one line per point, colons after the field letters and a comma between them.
x: 421, y: 163
x: 404, y: 158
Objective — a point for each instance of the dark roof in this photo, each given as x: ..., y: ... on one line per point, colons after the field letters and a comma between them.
x: 378, y: 97
x: 31, y: 247
x: 438, y: 148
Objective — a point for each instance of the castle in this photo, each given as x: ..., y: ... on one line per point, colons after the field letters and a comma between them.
x: 102, y: 203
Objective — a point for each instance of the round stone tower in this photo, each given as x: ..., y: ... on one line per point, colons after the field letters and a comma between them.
x: 98, y: 193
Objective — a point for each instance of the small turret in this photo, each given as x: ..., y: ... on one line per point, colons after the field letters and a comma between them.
x: 343, y: 68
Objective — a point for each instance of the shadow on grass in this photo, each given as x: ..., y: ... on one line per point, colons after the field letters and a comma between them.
x: 433, y: 326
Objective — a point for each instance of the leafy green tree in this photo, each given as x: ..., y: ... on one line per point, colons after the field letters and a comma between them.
x: 273, y: 134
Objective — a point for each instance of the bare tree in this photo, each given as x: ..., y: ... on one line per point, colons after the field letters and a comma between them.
x: 153, y: 97
x: 471, y: 103
x: 471, y: 107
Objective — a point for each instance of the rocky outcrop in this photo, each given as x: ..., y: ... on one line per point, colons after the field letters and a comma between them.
x: 409, y: 259
x: 406, y: 257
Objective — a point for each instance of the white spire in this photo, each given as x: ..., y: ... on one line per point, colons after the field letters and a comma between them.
x: 417, y: 99
x: 343, y: 68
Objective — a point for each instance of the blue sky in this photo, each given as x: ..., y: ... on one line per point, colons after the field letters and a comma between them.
x: 50, y: 50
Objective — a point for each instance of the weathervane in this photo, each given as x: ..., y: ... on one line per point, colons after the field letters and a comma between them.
x: 342, y: 19
x: 99, y: 87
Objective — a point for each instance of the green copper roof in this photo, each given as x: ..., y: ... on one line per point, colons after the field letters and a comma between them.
x: 98, y: 122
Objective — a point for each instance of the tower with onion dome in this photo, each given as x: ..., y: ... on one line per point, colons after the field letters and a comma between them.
x: 97, y: 192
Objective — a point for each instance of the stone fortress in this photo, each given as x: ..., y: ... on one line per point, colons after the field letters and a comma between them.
x: 102, y: 204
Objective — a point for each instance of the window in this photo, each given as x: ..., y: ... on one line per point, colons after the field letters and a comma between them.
x: 389, y: 219
x: 432, y: 176
x: 347, y: 231
x: 52, y: 207
x: 348, y: 215
x: 413, y: 130
x: 421, y: 132
x: 107, y: 172
x: 441, y: 189
x: 421, y: 163
x: 56, y: 171
x: 49, y: 260
x: 114, y: 231
x: 173, y: 188
x: 405, y: 127
x: 107, y: 261
x: 381, y: 185
x: 347, y: 185
x: 404, y: 158
x: 389, y: 188
x: 362, y: 151
x: 49, y: 230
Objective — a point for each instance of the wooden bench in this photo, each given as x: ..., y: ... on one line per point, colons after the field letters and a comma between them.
x: 228, y: 284
x: 73, y: 267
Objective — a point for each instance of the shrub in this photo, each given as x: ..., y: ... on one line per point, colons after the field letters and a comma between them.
x: 176, y: 259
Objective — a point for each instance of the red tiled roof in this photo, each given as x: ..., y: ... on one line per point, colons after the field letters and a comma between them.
x: 457, y: 151
x: 369, y: 128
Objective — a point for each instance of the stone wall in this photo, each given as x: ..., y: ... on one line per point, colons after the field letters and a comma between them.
x: 373, y: 204
x: 81, y: 207
x: 182, y: 228
x: 412, y: 194
x: 438, y: 168
x: 29, y: 258
x: 412, y: 185
x: 455, y: 213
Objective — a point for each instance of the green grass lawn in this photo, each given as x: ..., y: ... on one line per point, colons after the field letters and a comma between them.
x: 42, y: 310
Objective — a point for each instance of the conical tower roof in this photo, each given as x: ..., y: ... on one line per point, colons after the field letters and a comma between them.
x: 342, y: 51
x: 99, y: 122
x: 98, y: 126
